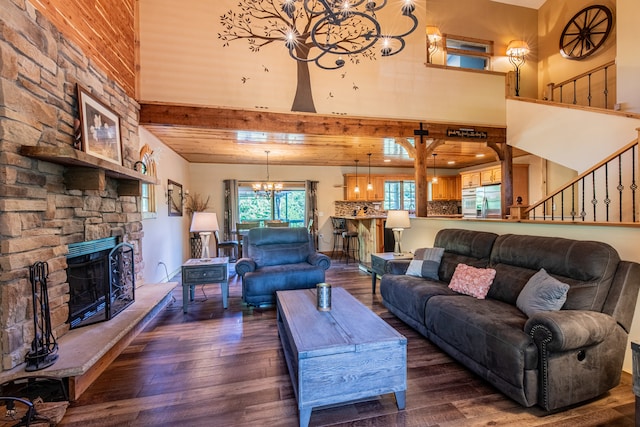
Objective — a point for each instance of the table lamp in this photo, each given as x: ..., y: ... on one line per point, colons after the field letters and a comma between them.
x: 204, y: 223
x: 397, y: 221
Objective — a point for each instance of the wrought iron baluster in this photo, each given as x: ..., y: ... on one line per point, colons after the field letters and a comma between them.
x: 606, y: 87
x: 561, y: 93
x: 589, y: 89
x: 575, y: 89
x: 562, y: 205
x: 594, y: 200
x: 620, y: 187
x: 607, y: 200
x: 583, y: 213
x: 553, y: 204
x: 573, y: 202
x: 634, y: 186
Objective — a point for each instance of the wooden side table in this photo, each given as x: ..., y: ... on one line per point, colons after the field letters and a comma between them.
x: 198, y: 271
x: 379, y: 264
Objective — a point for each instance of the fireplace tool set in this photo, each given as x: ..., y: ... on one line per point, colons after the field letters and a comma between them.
x: 44, y: 347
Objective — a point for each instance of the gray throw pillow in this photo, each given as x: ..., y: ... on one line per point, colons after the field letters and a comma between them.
x: 428, y: 266
x: 542, y: 293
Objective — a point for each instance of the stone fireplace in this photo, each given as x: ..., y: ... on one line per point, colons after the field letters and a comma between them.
x: 46, y: 206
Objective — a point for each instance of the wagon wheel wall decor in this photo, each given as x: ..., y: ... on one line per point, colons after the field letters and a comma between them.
x: 586, y: 32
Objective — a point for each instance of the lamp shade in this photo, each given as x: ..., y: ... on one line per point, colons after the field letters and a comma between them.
x: 398, y: 219
x: 203, y: 222
x: 518, y: 48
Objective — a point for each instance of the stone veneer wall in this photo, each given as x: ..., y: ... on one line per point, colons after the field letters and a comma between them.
x: 434, y: 208
x: 39, y: 216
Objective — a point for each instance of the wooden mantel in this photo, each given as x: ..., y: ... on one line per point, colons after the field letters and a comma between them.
x: 87, y: 172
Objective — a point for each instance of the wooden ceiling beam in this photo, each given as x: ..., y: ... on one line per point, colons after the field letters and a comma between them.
x: 177, y: 115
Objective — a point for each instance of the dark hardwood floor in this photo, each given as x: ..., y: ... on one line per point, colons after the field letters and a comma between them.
x: 216, y: 367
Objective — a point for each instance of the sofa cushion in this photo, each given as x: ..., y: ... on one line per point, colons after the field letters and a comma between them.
x: 587, y: 267
x: 277, y: 246
x: 411, y: 293
x: 472, y: 281
x: 427, y: 265
x: 487, y: 331
x: 542, y: 293
x: 280, y: 277
x: 462, y: 247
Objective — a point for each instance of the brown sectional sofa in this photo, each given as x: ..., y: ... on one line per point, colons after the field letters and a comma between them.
x: 553, y: 358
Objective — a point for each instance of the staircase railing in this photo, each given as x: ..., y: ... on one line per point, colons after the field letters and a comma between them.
x: 606, y: 193
x: 589, y: 89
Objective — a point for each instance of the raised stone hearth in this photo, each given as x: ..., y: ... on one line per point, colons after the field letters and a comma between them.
x: 85, y: 352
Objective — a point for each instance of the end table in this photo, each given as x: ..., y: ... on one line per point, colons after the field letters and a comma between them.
x: 203, y: 271
x: 379, y: 264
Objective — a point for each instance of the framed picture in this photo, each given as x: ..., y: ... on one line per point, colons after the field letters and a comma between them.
x: 174, y: 199
x: 100, y: 128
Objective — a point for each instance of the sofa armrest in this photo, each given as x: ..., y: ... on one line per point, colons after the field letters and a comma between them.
x: 397, y: 266
x: 245, y: 265
x: 569, y: 329
x: 320, y: 260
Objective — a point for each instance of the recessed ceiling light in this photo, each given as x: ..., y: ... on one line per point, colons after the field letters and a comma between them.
x: 451, y: 162
x: 387, y: 160
x: 479, y: 155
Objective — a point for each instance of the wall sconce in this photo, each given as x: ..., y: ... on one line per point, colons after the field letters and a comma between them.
x: 433, y: 38
x: 516, y: 51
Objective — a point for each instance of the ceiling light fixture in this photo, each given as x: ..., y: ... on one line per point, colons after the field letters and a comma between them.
x: 342, y: 28
x: 434, y: 180
x: 267, y: 187
x: 516, y: 51
x: 369, y: 184
x: 356, y: 189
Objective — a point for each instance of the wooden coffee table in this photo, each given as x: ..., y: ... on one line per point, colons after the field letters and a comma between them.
x: 341, y: 355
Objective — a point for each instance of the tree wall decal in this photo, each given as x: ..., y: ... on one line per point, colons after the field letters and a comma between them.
x: 314, y: 31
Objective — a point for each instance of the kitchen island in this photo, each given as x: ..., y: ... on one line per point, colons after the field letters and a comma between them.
x: 370, y: 229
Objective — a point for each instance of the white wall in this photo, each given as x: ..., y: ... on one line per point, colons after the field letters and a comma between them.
x: 628, y: 55
x: 623, y: 239
x: 165, y: 237
x: 574, y: 138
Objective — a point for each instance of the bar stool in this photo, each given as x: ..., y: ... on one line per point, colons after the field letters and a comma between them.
x: 339, y: 226
x: 351, y: 245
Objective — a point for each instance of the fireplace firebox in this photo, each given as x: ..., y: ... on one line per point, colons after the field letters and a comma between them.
x: 101, y: 280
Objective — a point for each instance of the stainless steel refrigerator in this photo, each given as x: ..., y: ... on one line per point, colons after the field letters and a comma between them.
x: 488, y: 203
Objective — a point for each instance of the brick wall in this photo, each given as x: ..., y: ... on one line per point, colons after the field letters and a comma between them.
x: 39, y: 216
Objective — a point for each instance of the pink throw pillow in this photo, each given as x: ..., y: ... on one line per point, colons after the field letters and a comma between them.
x: 472, y: 281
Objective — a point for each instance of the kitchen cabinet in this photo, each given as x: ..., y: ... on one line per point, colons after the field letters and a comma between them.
x: 376, y: 194
x: 491, y: 176
x: 447, y: 188
x: 470, y: 179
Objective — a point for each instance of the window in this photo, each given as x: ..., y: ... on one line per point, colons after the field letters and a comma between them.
x: 287, y: 205
x: 400, y: 195
x: 466, y: 52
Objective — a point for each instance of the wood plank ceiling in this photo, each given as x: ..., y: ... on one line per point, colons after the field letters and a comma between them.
x: 221, y: 135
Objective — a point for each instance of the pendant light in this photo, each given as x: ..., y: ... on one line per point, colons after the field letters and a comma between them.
x: 434, y: 180
x: 369, y: 185
x: 357, y: 188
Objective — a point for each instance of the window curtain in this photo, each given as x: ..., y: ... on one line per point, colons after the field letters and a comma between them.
x: 230, y: 208
x: 311, y: 210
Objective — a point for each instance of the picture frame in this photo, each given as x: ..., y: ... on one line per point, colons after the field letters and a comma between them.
x: 100, y: 128
x: 174, y: 198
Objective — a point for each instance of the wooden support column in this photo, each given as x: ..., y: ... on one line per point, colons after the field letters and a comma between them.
x: 505, y: 154
x: 420, y: 167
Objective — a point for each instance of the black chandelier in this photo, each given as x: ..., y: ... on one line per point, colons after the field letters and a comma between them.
x: 341, y: 27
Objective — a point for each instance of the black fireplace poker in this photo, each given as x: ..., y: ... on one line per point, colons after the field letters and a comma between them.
x: 44, y: 347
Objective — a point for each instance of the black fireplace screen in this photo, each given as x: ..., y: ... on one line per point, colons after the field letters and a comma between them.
x: 101, y: 280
